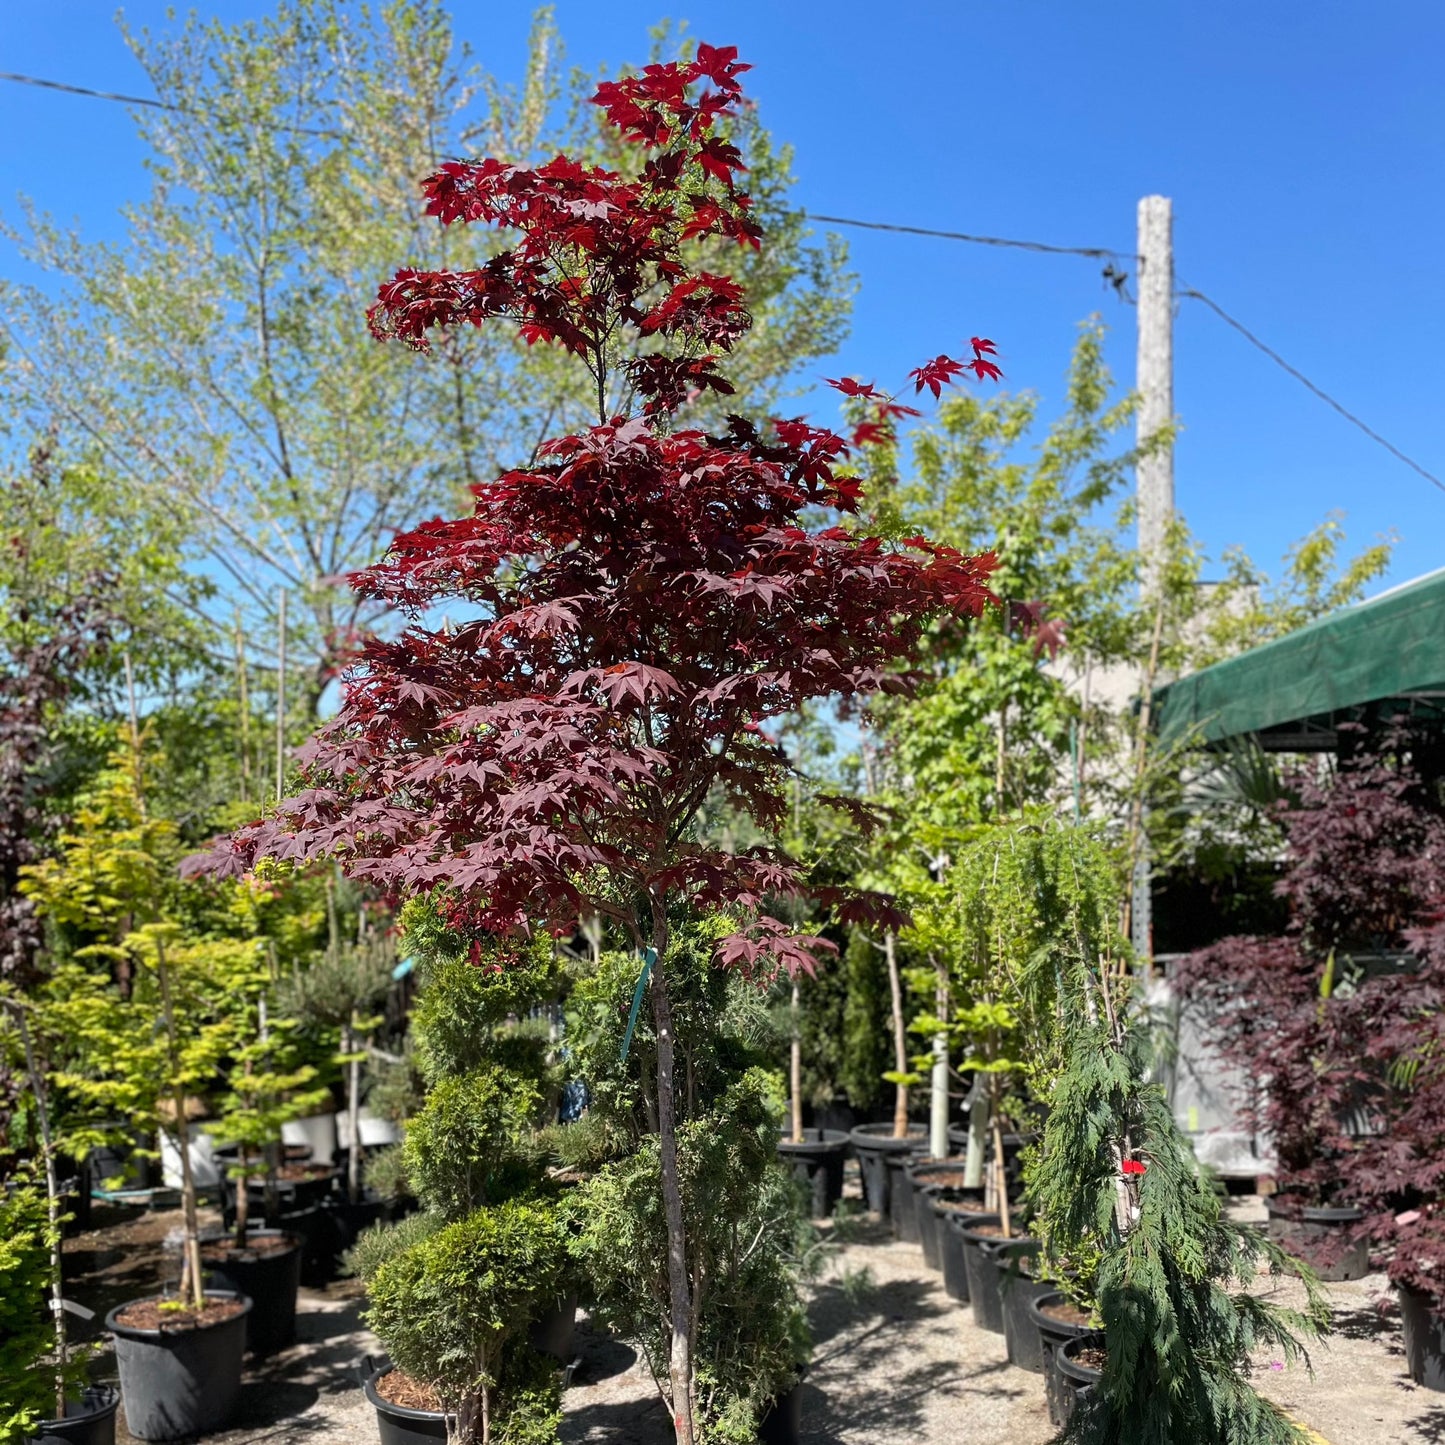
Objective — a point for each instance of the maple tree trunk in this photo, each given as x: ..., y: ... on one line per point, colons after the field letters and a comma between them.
x: 353, y: 1112
x: 796, y: 1071
x: 679, y: 1367
x: 900, y: 1039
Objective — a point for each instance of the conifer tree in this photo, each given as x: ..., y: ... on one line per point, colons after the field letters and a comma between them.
x: 1117, y: 1191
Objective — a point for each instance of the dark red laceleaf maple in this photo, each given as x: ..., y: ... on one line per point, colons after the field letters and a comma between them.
x: 626, y: 613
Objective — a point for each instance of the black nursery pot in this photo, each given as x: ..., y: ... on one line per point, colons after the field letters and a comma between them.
x: 782, y: 1424
x: 987, y: 1257
x: 1020, y: 1289
x: 1079, y: 1380
x: 921, y: 1174
x: 949, y: 1222
x: 180, y: 1382
x: 1322, y: 1238
x: 269, y: 1278
x: 89, y: 1421
x: 1422, y: 1323
x: 874, y: 1144
x: 397, y: 1424
x: 552, y: 1333
x: 1053, y: 1335
x: 818, y: 1164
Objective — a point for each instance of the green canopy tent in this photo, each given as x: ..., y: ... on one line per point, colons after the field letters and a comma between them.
x: 1366, y: 663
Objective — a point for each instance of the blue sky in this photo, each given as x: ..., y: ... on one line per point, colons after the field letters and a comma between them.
x: 1301, y: 140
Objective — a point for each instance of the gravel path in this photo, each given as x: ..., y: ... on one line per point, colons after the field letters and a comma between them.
x: 895, y: 1362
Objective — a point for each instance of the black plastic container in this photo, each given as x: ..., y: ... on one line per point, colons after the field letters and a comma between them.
x: 1322, y: 1238
x: 268, y: 1279
x: 782, y: 1424
x: 1053, y: 1336
x: 350, y: 1221
x: 818, y: 1164
x: 552, y: 1333
x: 177, y: 1383
x: 89, y: 1421
x: 920, y: 1173
x: 986, y: 1258
x: 398, y: 1425
x: 1422, y: 1323
x: 293, y: 1194
x: 1078, y: 1380
x: 1019, y: 1290
x: 951, y: 1245
x: 874, y: 1144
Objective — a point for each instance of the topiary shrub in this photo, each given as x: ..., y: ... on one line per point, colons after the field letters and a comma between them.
x: 748, y: 1244
x: 453, y: 1289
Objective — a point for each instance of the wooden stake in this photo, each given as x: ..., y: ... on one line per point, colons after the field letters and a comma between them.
x: 900, y: 1038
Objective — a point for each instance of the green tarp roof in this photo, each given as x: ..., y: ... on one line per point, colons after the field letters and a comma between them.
x: 1384, y: 655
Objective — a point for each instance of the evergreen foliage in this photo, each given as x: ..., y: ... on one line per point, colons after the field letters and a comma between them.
x: 1114, y: 1183
x: 452, y: 1290
x: 748, y: 1243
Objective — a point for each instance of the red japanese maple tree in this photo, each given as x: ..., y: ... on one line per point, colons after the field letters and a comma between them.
x: 629, y: 610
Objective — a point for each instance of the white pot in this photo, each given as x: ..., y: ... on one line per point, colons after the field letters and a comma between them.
x: 317, y: 1130
x: 205, y: 1167
x: 374, y: 1131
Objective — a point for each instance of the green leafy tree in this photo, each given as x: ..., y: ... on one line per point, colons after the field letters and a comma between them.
x: 215, y: 366
x: 140, y: 1014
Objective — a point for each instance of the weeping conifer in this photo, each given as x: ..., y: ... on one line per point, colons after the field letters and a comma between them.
x: 1119, y: 1199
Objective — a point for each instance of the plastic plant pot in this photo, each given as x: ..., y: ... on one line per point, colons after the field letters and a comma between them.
x: 1019, y: 1290
x: 267, y: 1275
x: 177, y: 1383
x: 397, y: 1424
x: 782, y: 1423
x: 874, y: 1144
x: 1422, y: 1323
x: 1054, y: 1334
x: 1078, y: 1379
x: 89, y: 1421
x: 951, y: 1245
x: 1322, y: 1238
x: 818, y: 1165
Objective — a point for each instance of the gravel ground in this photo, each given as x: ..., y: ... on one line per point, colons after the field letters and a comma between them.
x: 895, y: 1360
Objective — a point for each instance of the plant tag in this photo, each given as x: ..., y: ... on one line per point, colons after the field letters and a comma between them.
x: 1408, y: 1217
x: 56, y: 1305
x: 648, y: 958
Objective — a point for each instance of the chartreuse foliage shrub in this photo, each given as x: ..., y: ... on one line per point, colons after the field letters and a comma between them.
x: 27, y: 1373
x: 452, y: 1290
x: 747, y: 1241
x: 1115, y: 1186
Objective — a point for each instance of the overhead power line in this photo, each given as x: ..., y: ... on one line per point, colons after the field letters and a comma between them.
x: 1304, y: 381
x: 154, y: 104
x: 1096, y: 253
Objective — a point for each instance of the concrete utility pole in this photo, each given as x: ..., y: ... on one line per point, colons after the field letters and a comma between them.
x: 1154, y: 477
x: 1155, y: 380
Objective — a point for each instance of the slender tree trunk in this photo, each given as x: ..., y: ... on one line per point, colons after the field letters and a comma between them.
x: 52, y: 1204
x: 900, y: 1038
x: 978, y: 1112
x: 191, y: 1274
x: 353, y: 1112
x: 938, y: 1093
x: 1000, y: 1168
x: 243, y: 1199
x: 796, y: 1069
x: 680, y: 1363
